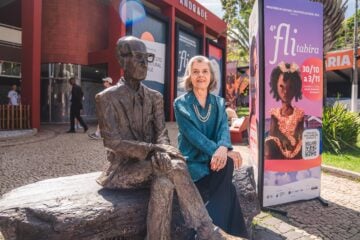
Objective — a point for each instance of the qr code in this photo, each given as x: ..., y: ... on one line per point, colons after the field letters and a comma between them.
x: 311, y: 144
x: 311, y: 149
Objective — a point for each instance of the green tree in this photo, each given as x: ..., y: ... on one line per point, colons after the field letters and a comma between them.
x: 345, y: 37
x: 237, y: 13
x: 333, y: 14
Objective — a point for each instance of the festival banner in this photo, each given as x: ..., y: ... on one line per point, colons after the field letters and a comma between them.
x: 254, y: 97
x: 230, y: 80
x: 216, y: 56
x: 188, y: 45
x: 293, y: 51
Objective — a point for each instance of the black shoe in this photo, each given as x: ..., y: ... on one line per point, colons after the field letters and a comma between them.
x: 70, y: 131
x: 85, y: 129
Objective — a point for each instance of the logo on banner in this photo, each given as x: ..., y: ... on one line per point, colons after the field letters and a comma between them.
x: 286, y: 35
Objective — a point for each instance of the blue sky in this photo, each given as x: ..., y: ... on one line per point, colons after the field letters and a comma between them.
x: 215, y: 7
x: 350, y: 10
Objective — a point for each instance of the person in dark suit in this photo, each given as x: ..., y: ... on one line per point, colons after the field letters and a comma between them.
x: 139, y: 154
x: 76, y: 106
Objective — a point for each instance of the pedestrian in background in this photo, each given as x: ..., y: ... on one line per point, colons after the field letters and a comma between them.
x: 96, y: 135
x: 14, y: 97
x: 76, y: 105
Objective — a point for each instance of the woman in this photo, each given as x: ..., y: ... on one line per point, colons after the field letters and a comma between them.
x: 287, y: 122
x: 204, y: 141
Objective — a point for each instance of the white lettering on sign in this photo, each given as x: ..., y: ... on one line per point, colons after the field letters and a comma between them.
x: 193, y: 7
x: 285, y: 42
x: 338, y: 61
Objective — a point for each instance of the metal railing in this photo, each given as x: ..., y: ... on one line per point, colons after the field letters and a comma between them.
x: 14, y: 117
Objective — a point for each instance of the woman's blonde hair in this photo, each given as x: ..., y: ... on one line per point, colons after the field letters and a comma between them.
x: 186, y: 80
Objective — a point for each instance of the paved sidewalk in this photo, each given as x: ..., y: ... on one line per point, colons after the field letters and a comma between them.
x: 53, y: 153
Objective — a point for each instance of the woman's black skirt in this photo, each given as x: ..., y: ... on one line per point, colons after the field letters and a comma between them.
x: 219, y: 196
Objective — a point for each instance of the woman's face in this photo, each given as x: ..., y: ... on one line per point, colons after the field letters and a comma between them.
x: 285, y: 89
x: 200, y: 75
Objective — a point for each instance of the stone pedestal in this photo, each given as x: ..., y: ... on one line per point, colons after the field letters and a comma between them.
x: 76, y: 207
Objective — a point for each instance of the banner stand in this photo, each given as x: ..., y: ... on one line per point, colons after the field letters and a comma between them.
x: 274, y: 210
x: 286, y: 96
x: 322, y: 201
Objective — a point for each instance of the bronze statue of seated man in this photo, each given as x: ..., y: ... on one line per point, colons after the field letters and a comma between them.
x: 131, y: 119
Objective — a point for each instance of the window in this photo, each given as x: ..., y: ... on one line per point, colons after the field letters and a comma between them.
x: 11, y: 69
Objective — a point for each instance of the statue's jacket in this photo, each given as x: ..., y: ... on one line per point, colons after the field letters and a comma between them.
x: 130, y: 123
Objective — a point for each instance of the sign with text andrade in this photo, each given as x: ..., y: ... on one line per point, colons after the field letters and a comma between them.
x: 293, y: 100
x: 188, y: 47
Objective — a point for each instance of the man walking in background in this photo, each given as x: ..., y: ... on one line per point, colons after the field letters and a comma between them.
x: 13, y: 96
x: 76, y: 105
x: 96, y: 135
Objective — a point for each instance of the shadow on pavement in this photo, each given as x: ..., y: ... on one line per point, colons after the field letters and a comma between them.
x: 332, y: 222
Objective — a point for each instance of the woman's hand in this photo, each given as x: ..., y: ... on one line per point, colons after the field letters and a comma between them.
x: 236, y: 157
x: 218, y: 160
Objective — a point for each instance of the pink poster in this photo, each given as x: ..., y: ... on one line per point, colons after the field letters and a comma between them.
x: 230, y: 83
x: 293, y: 83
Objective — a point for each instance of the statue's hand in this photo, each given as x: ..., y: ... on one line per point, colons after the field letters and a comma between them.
x: 161, y: 162
x: 170, y: 150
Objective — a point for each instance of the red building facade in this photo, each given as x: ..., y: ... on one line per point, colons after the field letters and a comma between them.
x: 63, y: 38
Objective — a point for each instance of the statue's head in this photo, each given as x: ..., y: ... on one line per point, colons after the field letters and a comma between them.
x: 133, y: 57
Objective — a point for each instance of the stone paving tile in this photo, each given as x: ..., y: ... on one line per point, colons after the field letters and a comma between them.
x: 261, y: 233
x: 355, y: 237
x: 293, y: 235
x: 52, y: 153
x: 284, y: 227
x: 270, y: 221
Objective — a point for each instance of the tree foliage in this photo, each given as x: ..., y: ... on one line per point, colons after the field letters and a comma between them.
x: 237, y: 13
x: 345, y: 38
x: 340, y: 128
x: 333, y: 15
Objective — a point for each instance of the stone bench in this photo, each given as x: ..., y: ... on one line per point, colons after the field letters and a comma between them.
x: 76, y: 207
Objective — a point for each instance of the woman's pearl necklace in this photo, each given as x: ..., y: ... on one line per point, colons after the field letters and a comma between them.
x: 198, y: 115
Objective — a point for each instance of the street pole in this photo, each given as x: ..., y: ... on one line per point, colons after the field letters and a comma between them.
x: 354, y: 86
